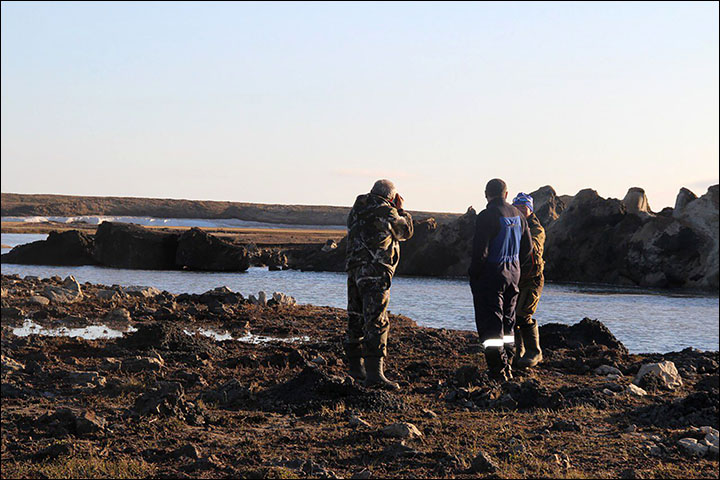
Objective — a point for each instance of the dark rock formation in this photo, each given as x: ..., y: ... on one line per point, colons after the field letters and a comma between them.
x: 67, y: 248
x: 198, y: 250
x: 599, y: 240
x: 439, y: 250
x: 547, y: 205
x: 636, y: 201
x: 315, y: 259
x: 586, y: 243
x: 123, y: 245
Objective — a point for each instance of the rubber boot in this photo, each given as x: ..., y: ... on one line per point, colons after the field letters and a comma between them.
x: 498, y: 368
x: 357, y: 368
x: 375, y: 376
x: 519, y: 347
x: 531, y: 340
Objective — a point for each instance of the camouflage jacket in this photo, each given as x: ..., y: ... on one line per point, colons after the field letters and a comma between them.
x: 536, y: 267
x: 375, y: 230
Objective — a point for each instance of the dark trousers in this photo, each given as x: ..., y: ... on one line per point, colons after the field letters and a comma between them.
x: 495, y: 295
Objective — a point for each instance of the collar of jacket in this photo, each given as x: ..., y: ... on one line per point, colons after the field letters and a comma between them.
x: 384, y: 199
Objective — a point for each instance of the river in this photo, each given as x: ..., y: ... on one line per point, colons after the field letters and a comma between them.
x: 644, y: 320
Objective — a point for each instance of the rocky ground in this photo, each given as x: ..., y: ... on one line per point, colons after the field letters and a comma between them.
x: 165, y: 400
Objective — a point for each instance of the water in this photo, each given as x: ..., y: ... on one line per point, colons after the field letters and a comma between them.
x: 15, y: 239
x: 92, y: 332
x: 644, y: 320
x: 96, y: 332
x: 169, y: 222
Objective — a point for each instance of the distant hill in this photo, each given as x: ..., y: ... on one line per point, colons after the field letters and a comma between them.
x: 27, y: 205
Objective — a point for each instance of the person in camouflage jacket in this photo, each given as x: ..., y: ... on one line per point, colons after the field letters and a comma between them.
x: 376, y: 225
x: 532, y: 280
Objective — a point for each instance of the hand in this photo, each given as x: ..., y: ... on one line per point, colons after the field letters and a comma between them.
x: 398, y: 201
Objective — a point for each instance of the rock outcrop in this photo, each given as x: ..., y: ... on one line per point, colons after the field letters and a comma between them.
x: 124, y: 245
x: 599, y: 240
x: 547, y: 205
x: 66, y: 248
x: 636, y: 202
x: 198, y: 250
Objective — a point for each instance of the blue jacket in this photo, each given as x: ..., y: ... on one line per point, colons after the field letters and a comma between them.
x: 502, y: 242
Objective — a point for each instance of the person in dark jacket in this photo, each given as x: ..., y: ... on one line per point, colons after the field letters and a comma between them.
x: 501, y: 244
x: 376, y: 225
x: 527, y: 336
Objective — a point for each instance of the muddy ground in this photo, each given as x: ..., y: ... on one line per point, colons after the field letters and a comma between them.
x: 160, y: 402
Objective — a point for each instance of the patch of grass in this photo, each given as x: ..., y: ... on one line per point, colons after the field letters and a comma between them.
x: 337, y: 409
x: 80, y: 467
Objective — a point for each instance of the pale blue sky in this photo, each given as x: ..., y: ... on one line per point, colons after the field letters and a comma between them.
x: 309, y: 103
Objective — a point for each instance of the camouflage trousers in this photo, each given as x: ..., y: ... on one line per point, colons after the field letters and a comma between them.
x: 527, y: 303
x: 368, y: 324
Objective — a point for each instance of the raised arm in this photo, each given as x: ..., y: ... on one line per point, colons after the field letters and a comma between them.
x: 401, y: 224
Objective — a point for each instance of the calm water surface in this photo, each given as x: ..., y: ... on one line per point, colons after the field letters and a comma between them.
x: 644, y: 320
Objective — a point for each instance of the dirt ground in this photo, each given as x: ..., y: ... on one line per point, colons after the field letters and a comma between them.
x: 166, y: 401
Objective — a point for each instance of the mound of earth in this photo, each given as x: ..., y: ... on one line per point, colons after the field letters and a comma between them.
x: 697, y: 409
x: 168, y: 337
x: 587, y: 332
x: 312, y: 389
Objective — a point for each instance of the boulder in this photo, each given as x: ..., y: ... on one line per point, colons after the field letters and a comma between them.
x: 70, y: 291
x: 482, y: 463
x: 665, y: 371
x: 329, y: 245
x: 60, y: 248
x: 282, y: 299
x: 121, y: 315
x: 636, y: 202
x: 701, y: 216
x: 143, y: 364
x: 693, y: 447
x: 402, y: 430
x: 39, y: 300
x: 607, y: 370
x: 198, y: 250
x: 124, y: 245
x: 141, y: 291
x: 684, y: 197
x: 635, y: 390
x: 65, y: 420
x: 547, y: 206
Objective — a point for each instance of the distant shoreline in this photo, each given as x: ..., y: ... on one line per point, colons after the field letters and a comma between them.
x: 30, y: 205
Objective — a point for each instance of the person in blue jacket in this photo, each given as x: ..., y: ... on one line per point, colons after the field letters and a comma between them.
x: 502, y: 243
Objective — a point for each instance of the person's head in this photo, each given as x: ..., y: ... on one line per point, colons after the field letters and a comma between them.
x: 524, y: 203
x: 385, y: 189
x: 495, y: 188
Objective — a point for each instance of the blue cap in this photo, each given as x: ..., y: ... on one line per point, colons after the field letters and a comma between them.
x: 523, y: 199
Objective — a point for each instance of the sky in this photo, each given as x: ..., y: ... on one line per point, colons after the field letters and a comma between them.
x: 310, y: 103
